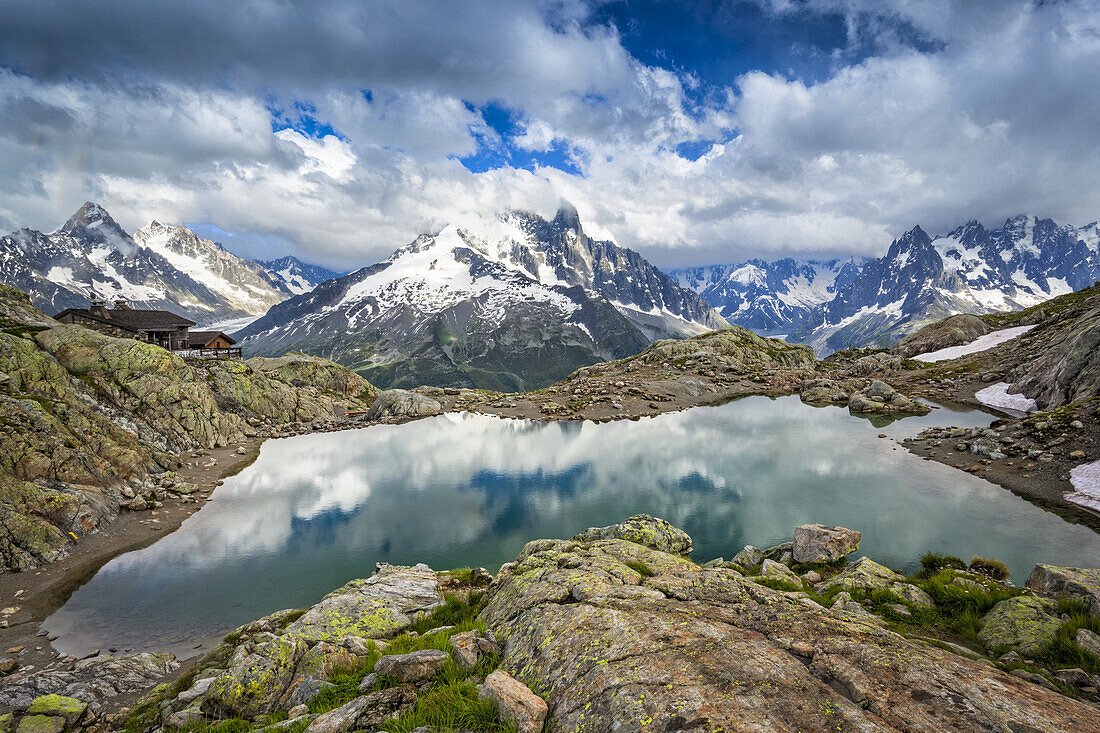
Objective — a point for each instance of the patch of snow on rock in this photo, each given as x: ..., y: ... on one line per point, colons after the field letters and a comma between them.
x: 1086, y: 480
x: 996, y: 395
x: 982, y: 343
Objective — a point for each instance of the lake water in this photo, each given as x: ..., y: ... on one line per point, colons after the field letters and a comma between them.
x: 466, y: 490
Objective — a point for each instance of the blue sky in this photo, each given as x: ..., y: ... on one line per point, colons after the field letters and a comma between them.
x: 694, y: 132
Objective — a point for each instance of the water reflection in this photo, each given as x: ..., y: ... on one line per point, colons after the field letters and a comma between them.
x: 316, y: 511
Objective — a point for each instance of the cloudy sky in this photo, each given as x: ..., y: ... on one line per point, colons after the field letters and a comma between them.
x: 695, y: 132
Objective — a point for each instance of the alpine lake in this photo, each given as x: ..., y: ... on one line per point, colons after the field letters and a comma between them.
x: 316, y: 511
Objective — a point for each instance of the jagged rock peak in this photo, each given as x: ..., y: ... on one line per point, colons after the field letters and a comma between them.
x: 88, y: 217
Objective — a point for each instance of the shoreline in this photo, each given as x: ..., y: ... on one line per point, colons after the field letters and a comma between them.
x: 47, y: 588
x: 647, y: 395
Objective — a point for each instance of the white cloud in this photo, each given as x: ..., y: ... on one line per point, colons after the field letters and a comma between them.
x: 991, y: 114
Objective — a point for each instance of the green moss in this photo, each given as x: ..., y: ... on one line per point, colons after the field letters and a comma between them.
x: 640, y: 568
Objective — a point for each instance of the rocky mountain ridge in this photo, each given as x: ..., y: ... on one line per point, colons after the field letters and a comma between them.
x: 161, y: 266
x: 919, y: 280
x: 511, y: 303
x: 769, y: 297
x: 93, y: 423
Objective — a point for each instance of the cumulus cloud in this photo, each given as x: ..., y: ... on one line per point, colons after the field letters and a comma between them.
x: 338, y: 129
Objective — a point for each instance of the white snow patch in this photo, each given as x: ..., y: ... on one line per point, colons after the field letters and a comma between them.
x: 1086, y: 480
x: 61, y: 276
x: 982, y: 343
x: 996, y: 395
x: 233, y: 324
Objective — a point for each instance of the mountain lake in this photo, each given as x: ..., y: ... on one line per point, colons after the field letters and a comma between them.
x: 316, y: 511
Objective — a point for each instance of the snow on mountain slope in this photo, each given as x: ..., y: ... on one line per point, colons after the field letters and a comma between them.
x: 161, y: 266
x: 242, y: 285
x: 294, y: 276
x: 768, y: 297
x: 836, y: 304
x: 508, y: 302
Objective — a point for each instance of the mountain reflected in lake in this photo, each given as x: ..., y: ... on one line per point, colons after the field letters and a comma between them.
x: 464, y: 490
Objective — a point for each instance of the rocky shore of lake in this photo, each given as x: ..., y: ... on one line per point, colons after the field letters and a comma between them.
x: 618, y: 628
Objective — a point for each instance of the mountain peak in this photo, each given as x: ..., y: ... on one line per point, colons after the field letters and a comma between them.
x: 93, y: 222
x: 567, y: 215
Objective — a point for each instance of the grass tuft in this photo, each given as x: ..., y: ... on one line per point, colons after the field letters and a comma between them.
x: 990, y: 568
x: 933, y: 563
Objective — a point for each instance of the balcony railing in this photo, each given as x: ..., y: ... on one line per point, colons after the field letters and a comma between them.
x: 230, y: 353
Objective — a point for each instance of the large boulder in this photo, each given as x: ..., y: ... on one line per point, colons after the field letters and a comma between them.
x: 254, y: 685
x: 514, y: 701
x: 644, y: 530
x: 402, y: 403
x: 96, y: 679
x: 823, y: 391
x: 415, y: 666
x: 1024, y: 624
x: 882, y: 399
x: 1082, y: 584
x: 375, y: 608
x: 303, y: 370
x: 864, y: 574
x: 708, y: 649
x: 952, y: 331
x: 818, y: 543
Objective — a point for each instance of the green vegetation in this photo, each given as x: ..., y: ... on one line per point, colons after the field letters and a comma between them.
x: 933, y: 563
x: 450, y: 701
x: 1063, y: 652
x: 990, y: 568
x: 640, y: 568
x: 778, y: 584
x: 824, y: 569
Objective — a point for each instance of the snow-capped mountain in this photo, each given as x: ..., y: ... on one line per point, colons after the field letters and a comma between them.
x: 511, y: 302
x: 970, y: 270
x: 161, y: 266
x: 294, y: 276
x: 769, y: 297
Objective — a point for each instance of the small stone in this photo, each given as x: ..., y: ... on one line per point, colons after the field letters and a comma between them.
x: 297, y: 711
x: 749, y: 557
x: 340, y: 719
x: 357, y: 645
x: 1077, y: 455
x: 514, y: 701
x: 304, y: 690
x: 197, y: 690
x: 1074, y: 677
x: 185, y: 717
x: 68, y: 708
x: 414, y: 666
x: 40, y: 724
x: 900, y: 610
x: 465, y: 649
x: 1089, y: 641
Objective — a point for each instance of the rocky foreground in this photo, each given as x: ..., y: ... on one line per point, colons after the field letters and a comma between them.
x: 92, y: 425
x: 618, y: 629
